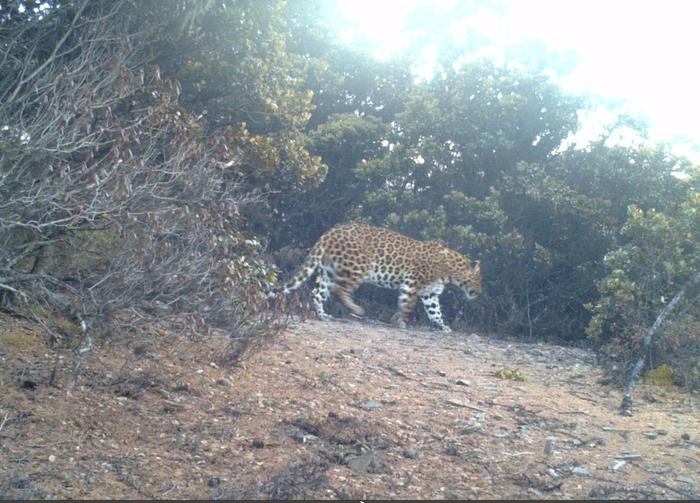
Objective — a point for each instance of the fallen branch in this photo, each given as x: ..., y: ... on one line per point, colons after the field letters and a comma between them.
x: 3, y: 286
x: 646, y: 345
x: 689, y: 495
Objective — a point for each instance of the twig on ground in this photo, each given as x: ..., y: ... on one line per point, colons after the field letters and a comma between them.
x: 690, y: 495
x: 4, y: 420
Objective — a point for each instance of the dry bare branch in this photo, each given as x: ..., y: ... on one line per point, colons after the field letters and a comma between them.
x: 114, y: 210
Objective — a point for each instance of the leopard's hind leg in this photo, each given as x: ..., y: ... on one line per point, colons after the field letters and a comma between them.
x: 320, y: 294
x: 345, y: 284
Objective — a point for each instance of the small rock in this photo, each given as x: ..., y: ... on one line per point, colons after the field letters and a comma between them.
x: 301, y: 438
x: 213, y: 365
x: 200, y: 371
x: 663, y: 433
x: 462, y: 382
x: 474, y: 337
x: 580, y: 471
x: 30, y: 385
x: 223, y: 382
x: 307, y: 427
x: 52, y: 458
x: 549, y: 447
x: 441, y: 373
x: 258, y: 444
x: 628, y: 455
x: 618, y: 465
x: 411, y: 453
x: 685, y: 436
x: 650, y: 434
x: 617, y: 430
x: 371, y: 405
x: 452, y: 450
x: 480, y: 416
x: 683, y: 478
x: 170, y: 406
x: 369, y: 462
x: 552, y: 472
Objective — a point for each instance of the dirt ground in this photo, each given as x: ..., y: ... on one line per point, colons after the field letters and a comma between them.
x: 341, y: 410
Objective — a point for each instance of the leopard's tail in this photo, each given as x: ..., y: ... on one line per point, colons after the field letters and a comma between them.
x: 311, y: 264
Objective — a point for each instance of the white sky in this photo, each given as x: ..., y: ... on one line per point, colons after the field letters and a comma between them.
x: 644, y: 52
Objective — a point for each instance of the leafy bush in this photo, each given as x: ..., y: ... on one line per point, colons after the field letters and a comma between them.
x: 659, y: 254
x: 122, y: 202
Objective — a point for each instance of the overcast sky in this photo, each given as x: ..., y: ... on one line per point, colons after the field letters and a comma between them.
x: 641, y: 54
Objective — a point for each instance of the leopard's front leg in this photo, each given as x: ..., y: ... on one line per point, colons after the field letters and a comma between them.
x: 430, y: 296
x: 431, y: 304
x: 407, y: 302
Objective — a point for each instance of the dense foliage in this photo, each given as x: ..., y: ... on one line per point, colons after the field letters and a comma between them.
x: 151, y: 157
x: 123, y: 187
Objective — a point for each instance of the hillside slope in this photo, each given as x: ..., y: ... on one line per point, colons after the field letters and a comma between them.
x: 333, y: 410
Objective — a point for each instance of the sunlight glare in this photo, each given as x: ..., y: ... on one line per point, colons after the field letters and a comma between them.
x: 641, y: 55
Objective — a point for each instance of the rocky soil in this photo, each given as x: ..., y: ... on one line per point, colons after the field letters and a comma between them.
x: 342, y: 409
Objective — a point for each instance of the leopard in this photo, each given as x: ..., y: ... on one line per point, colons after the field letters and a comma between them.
x: 351, y: 254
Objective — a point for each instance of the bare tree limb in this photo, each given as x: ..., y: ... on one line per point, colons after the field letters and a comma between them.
x: 646, y: 344
x: 53, y: 55
x: 4, y: 420
x: 10, y: 289
x: 116, y: 210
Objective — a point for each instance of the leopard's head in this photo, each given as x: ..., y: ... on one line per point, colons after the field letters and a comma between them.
x: 467, y: 276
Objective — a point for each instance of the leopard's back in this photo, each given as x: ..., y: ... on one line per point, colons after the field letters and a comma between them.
x: 378, y: 256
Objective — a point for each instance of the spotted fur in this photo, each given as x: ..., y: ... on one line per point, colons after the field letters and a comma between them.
x: 349, y: 255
